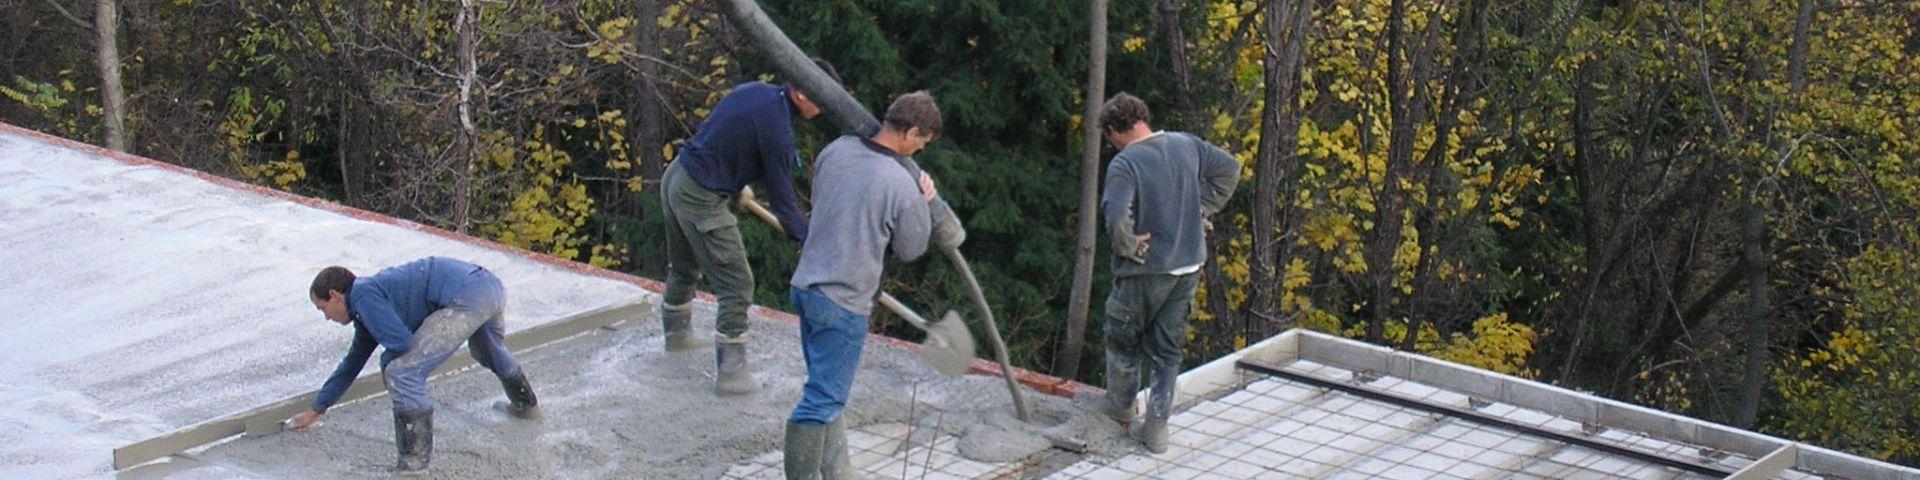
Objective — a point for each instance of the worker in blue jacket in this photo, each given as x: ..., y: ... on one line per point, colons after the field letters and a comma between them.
x: 746, y: 139
x: 419, y: 313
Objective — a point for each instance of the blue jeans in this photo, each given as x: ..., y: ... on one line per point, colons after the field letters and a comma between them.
x: 475, y: 316
x: 831, y: 338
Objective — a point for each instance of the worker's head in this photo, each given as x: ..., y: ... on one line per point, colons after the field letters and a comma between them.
x: 913, y: 121
x: 804, y: 103
x: 329, y: 293
x: 1124, y: 120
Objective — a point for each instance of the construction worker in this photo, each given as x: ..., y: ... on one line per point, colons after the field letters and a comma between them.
x: 419, y: 312
x: 865, y: 204
x: 1161, y: 188
x: 747, y: 138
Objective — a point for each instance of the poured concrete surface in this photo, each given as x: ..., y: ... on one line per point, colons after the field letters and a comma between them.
x: 617, y: 406
x: 142, y: 299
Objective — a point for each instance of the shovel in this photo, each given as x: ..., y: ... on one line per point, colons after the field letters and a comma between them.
x: 949, y: 346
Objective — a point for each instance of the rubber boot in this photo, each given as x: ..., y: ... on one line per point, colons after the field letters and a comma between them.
x: 804, y: 445
x: 732, y: 375
x: 520, y: 400
x: 835, y: 464
x: 413, y: 437
x: 1123, y: 384
x: 1153, y: 430
x: 677, y: 322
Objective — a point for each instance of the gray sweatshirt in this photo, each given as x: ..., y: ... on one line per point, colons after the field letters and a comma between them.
x: 1165, y: 185
x: 864, y: 204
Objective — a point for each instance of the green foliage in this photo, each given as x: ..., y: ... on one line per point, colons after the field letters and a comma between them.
x: 52, y: 103
x: 1856, y: 389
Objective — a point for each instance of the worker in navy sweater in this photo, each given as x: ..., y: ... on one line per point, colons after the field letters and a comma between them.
x: 747, y: 138
x: 419, y: 312
x: 1160, y: 189
x: 866, y: 204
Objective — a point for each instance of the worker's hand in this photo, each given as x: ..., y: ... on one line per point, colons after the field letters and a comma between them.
x: 1140, y: 250
x: 926, y: 187
x: 303, y: 420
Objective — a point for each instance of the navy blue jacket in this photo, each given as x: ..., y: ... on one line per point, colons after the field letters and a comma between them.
x: 749, y: 138
x: 386, y: 309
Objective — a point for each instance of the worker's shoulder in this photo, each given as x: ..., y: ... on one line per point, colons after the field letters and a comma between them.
x: 754, y: 88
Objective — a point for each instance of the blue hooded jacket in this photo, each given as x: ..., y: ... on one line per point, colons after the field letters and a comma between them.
x: 387, y: 308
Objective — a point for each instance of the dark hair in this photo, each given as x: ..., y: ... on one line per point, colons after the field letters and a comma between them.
x: 334, y: 279
x: 1122, y: 112
x: 825, y: 67
x: 914, y: 110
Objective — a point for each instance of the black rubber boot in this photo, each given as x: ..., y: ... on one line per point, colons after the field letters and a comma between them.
x: 677, y: 322
x: 732, y: 375
x: 520, y: 400
x: 835, y: 464
x: 413, y: 436
x: 1123, y: 384
x: 1153, y: 430
x: 804, y: 445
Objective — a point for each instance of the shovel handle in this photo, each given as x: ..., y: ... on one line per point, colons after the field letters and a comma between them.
x: 746, y: 202
x: 887, y: 300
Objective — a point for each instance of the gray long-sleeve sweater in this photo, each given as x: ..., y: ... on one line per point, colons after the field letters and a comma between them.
x: 864, y: 204
x: 1165, y: 185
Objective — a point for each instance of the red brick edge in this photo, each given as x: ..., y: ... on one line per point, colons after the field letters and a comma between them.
x: 1040, y: 382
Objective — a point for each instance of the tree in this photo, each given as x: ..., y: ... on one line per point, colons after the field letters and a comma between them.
x: 1094, y: 98
x: 1286, y: 36
x: 106, y: 28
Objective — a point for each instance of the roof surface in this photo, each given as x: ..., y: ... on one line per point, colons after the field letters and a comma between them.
x: 141, y: 298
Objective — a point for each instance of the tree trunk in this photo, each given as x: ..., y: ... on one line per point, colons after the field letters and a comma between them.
x: 349, y: 188
x: 1067, y: 363
x: 1754, y: 251
x: 113, y: 99
x: 465, y: 145
x: 649, y: 140
x: 1384, y: 237
x: 1168, y: 15
x: 1279, y: 156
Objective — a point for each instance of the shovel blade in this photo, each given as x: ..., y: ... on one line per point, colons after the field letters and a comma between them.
x: 949, y: 346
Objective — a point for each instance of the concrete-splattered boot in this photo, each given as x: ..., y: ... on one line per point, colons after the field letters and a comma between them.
x: 413, y: 437
x: 802, y: 450
x: 1152, y: 431
x: 732, y: 375
x: 520, y: 400
x: 835, y: 464
x: 1123, y: 384
x: 677, y: 322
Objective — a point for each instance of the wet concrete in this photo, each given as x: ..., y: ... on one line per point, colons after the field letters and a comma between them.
x: 617, y: 406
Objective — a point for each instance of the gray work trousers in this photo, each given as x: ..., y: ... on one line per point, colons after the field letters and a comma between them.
x: 703, y: 240
x: 1147, y: 323
x: 475, y: 317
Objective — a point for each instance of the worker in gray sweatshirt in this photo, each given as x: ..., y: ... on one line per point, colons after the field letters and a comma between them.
x: 865, y: 204
x: 1161, y: 188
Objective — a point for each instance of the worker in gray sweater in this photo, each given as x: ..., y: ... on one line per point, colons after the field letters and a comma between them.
x: 1161, y: 188
x: 865, y: 204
